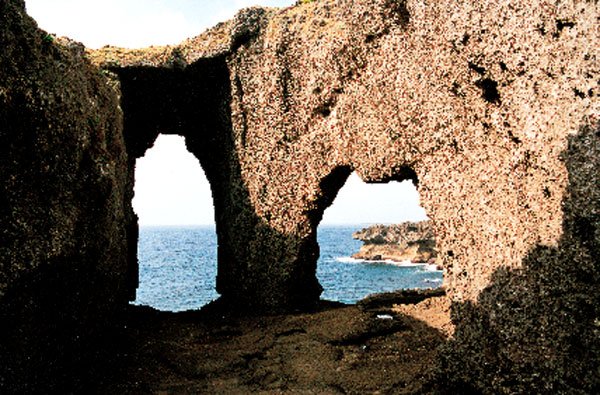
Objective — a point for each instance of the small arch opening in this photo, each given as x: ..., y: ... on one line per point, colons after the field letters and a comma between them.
x: 374, y: 238
x: 177, y: 245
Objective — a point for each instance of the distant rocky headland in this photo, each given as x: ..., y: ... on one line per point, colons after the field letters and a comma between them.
x: 408, y: 241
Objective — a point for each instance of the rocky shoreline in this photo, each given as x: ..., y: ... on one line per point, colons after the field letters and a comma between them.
x: 409, y: 241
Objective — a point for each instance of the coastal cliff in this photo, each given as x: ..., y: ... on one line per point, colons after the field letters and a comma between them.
x: 408, y: 241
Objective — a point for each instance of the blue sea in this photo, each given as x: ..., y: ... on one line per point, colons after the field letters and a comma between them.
x: 178, y: 267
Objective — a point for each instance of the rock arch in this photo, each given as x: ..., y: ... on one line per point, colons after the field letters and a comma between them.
x: 474, y: 99
x: 378, y: 94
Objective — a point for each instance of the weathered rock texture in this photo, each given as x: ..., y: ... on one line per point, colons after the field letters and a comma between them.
x: 408, y: 241
x: 63, y: 244
x: 491, y: 107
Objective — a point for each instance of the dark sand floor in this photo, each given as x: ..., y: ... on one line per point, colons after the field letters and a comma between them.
x: 336, y: 349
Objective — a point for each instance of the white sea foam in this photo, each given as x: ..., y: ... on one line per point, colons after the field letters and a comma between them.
x: 404, y: 263
x: 347, y: 259
x: 433, y: 280
x: 432, y: 268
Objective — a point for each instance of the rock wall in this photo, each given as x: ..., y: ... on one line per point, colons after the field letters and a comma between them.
x: 408, y: 241
x: 534, y: 329
x: 475, y: 102
x: 63, y: 252
x: 483, y: 105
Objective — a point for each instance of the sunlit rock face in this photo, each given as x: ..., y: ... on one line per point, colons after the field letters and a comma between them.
x: 405, y: 242
x: 486, y: 106
x: 490, y: 107
x: 475, y: 102
x: 63, y: 252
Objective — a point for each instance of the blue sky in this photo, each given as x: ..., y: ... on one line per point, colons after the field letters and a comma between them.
x: 171, y: 188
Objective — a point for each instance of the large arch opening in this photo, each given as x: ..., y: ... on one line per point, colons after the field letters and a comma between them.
x: 374, y: 238
x: 177, y: 245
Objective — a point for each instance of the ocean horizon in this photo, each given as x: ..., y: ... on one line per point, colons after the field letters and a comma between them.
x: 178, y: 266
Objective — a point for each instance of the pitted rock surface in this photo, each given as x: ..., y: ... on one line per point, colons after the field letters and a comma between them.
x: 476, y: 102
x: 484, y: 106
x: 408, y: 241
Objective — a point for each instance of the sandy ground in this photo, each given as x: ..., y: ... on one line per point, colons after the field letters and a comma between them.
x: 336, y: 349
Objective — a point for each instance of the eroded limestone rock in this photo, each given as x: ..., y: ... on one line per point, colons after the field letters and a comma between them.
x: 478, y: 102
x: 475, y: 102
x: 409, y: 241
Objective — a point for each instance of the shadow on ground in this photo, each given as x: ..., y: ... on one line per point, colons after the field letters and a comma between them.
x: 334, y: 349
